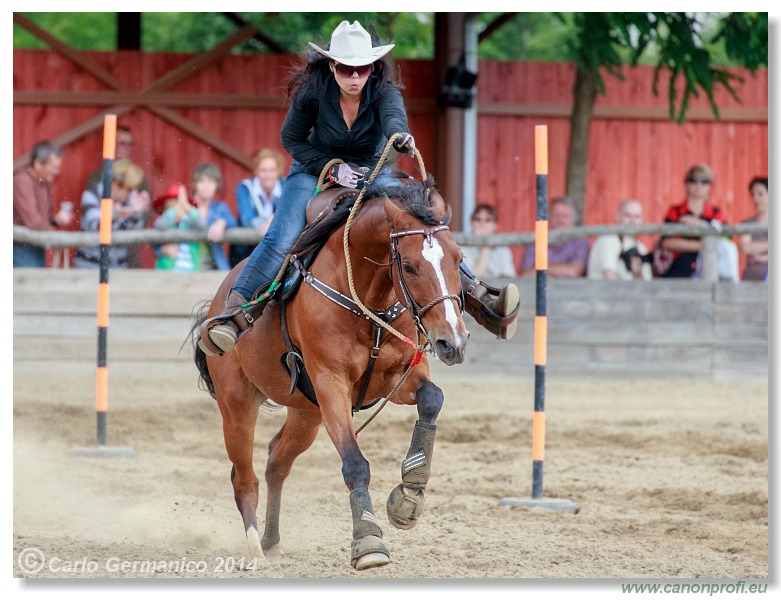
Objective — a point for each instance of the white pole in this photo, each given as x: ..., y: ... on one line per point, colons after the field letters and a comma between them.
x: 469, y: 168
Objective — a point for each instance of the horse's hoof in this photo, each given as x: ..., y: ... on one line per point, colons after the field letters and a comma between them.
x: 404, y: 507
x: 253, y: 542
x: 274, y: 552
x: 369, y: 552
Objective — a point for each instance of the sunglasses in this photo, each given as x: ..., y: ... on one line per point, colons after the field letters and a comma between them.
x: 703, y: 181
x: 347, y: 70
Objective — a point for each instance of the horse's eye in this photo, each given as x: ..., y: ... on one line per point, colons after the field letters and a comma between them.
x: 408, y: 268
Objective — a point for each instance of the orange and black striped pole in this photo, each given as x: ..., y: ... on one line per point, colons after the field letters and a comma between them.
x: 540, y: 332
x: 106, y: 210
x: 104, y: 236
x: 541, y: 312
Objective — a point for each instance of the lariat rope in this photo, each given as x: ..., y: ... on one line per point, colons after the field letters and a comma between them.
x: 353, y: 211
x: 418, y: 347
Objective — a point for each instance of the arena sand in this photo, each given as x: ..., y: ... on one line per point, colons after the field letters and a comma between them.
x: 670, y: 479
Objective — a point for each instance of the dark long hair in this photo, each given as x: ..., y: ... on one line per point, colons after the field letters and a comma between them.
x: 309, y: 78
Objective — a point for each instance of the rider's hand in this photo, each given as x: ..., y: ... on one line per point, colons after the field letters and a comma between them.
x: 405, y: 144
x: 344, y: 175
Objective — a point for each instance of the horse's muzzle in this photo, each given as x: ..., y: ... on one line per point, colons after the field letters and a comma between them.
x: 450, y: 351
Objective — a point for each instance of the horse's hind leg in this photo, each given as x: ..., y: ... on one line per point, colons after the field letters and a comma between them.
x: 297, y: 434
x: 239, y: 415
x: 405, y: 502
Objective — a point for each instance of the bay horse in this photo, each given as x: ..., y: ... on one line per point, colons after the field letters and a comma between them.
x: 405, y: 268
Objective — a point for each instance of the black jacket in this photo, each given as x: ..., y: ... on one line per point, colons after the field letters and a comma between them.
x: 316, y: 132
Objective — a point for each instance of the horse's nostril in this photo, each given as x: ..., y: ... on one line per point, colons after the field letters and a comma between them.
x: 444, y: 347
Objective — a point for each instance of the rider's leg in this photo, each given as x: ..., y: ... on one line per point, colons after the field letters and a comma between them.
x: 493, y: 308
x: 265, y: 261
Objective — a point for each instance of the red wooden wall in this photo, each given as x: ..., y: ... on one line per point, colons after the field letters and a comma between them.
x: 640, y: 156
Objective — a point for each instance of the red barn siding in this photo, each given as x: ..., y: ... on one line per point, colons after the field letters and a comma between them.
x: 633, y: 156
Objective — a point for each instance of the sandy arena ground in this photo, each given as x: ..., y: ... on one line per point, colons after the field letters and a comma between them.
x: 670, y: 479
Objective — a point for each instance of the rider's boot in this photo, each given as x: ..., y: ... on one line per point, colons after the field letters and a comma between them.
x: 493, y: 308
x: 222, y: 337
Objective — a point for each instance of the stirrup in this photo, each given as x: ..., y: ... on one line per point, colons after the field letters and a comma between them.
x: 237, y: 316
x: 480, y: 302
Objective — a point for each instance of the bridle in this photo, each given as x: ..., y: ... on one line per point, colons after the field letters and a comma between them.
x: 416, y: 312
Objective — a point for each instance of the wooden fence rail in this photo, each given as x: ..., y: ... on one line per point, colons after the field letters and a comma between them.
x: 241, y: 235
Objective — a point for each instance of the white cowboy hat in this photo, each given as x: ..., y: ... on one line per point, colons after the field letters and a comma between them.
x: 351, y: 45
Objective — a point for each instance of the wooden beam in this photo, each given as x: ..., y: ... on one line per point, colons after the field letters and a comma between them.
x: 272, y: 46
x: 210, y: 139
x: 74, y: 56
x: 494, y: 25
x: 74, y: 133
x: 147, y: 99
x: 660, y: 113
x: 168, y: 80
x: 200, y: 61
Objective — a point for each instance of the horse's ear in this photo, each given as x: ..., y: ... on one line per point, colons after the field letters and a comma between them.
x: 392, y: 212
x: 442, y: 211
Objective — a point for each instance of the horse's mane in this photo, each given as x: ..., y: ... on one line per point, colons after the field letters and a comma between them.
x: 410, y: 192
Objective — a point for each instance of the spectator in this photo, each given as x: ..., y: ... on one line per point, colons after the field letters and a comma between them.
x: 695, y: 209
x: 124, y: 151
x: 755, y: 245
x: 33, y: 202
x: 567, y: 259
x: 486, y: 261
x: 129, y: 208
x: 256, y: 198
x: 215, y: 216
x: 618, y: 256
x: 179, y: 212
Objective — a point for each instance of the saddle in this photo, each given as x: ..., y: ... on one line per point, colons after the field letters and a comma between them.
x: 320, y: 206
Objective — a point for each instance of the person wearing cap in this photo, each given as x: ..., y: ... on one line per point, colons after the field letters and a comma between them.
x: 177, y: 211
x: 343, y: 106
x: 204, y: 212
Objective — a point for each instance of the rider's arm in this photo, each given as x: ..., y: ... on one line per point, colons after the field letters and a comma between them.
x: 393, y: 114
x: 295, y: 137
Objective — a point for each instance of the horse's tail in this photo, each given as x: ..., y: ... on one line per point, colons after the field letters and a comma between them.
x: 199, y: 356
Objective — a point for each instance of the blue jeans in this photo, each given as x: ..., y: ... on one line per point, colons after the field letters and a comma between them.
x: 29, y: 256
x: 288, y: 223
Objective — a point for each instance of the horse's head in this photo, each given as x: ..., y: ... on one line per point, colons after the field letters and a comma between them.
x: 426, y: 276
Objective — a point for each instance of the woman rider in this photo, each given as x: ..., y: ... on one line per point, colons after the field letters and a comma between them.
x: 343, y: 106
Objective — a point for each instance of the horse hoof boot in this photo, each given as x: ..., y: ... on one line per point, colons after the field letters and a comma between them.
x: 368, y: 552
x: 404, y: 507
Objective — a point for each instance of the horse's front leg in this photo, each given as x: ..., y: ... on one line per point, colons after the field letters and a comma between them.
x: 405, y: 502
x: 367, y: 548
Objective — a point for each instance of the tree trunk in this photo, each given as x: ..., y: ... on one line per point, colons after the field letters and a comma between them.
x: 584, y: 95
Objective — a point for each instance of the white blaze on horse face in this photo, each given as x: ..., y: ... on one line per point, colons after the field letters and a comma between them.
x: 434, y: 254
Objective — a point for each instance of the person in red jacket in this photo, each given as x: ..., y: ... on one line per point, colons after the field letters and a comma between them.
x: 696, y: 208
x: 33, y: 202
